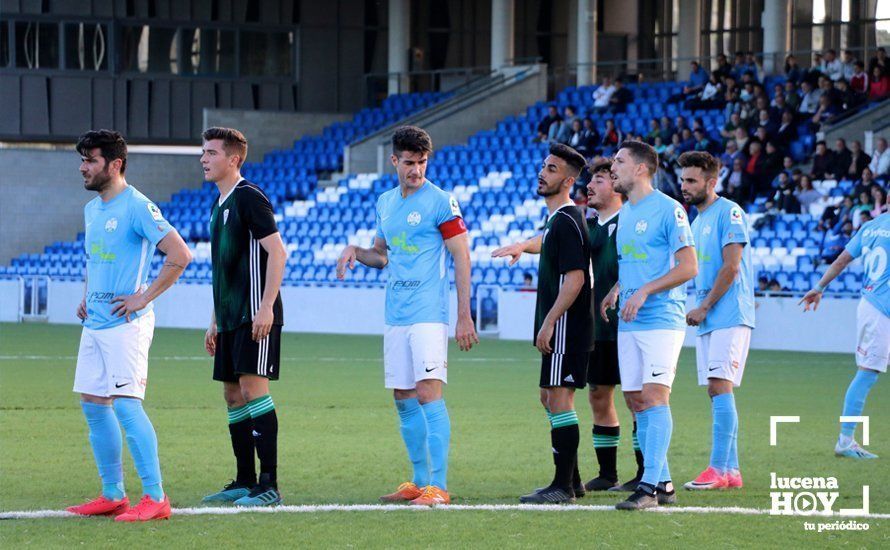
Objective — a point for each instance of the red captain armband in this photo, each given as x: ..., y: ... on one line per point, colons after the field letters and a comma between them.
x: 452, y: 228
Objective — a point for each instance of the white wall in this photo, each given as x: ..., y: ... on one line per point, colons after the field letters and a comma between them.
x: 781, y: 323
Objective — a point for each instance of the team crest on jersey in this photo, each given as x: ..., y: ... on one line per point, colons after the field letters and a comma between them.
x: 641, y: 227
x: 680, y: 216
x: 111, y: 225
x: 455, y: 208
x: 611, y: 229
x: 735, y: 215
x: 706, y: 230
x: 155, y: 212
x: 225, y: 216
x: 414, y: 218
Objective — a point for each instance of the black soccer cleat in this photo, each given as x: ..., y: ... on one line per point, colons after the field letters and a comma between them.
x: 549, y: 495
x: 628, y: 486
x: 600, y: 484
x: 579, y: 490
x: 665, y: 492
x: 641, y: 499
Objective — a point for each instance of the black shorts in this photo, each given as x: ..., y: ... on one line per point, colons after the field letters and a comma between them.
x: 603, y: 368
x: 237, y: 353
x: 564, y: 370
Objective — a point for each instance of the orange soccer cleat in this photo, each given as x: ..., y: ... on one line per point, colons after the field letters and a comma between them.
x: 432, y: 496
x: 406, y: 492
x: 101, y: 507
x: 147, y: 510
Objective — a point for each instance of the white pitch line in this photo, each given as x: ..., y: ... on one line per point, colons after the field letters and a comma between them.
x: 209, y: 359
x: 319, y: 508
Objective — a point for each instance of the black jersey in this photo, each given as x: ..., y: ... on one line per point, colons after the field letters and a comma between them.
x: 604, y: 258
x: 239, y: 262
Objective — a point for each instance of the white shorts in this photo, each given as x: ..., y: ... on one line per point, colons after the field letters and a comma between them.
x: 114, y: 361
x: 872, y: 337
x: 414, y: 352
x: 648, y: 357
x: 722, y: 354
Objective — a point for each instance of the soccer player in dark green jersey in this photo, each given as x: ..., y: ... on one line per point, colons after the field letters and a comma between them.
x: 245, y: 328
x: 602, y: 371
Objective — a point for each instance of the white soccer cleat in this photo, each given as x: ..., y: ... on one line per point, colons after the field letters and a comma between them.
x: 853, y: 450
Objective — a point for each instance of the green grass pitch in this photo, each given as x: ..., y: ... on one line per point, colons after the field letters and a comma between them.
x: 339, y: 444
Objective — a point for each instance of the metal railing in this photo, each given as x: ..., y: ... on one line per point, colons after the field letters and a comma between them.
x: 376, y: 85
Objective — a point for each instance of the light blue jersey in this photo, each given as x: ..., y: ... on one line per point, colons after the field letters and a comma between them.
x: 121, y: 236
x: 417, y: 289
x: 872, y: 242
x: 649, y: 234
x: 721, y: 224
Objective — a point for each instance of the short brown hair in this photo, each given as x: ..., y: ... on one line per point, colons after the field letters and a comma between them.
x: 572, y: 157
x: 412, y: 139
x: 603, y: 165
x: 110, y: 143
x: 642, y: 152
x: 708, y: 163
x: 234, y: 142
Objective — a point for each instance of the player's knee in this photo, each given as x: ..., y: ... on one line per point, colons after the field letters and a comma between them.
x: 87, y: 398
x: 429, y: 391
x: 718, y: 387
x: 545, y: 398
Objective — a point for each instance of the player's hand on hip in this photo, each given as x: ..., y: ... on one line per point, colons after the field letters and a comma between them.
x: 346, y: 259
x: 465, y: 333
x: 210, y: 340
x: 513, y: 250
x: 696, y: 317
x: 811, y: 298
x: 609, y: 302
x: 128, y: 304
x: 542, y: 342
x: 632, y: 306
x: 82, y: 310
x: 262, y: 323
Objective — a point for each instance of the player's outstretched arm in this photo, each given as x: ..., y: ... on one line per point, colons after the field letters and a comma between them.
x: 375, y: 257
x: 814, y: 296
x: 568, y: 292
x: 178, y: 258
x: 265, y: 317
x: 685, y: 269
x: 465, y: 332
x: 515, y: 250
x: 732, y: 261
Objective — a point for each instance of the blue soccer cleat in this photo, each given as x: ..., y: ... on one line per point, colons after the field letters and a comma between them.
x: 230, y: 493
x: 263, y: 494
x: 853, y: 450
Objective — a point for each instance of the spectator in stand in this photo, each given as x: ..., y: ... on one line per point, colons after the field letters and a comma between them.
x: 787, y: 131
x: 859, y: 80
x: 739, y: 66
x: 809, y: 99
x: 729, y: 128
x: 766, y: 122
x: 602, y: 95
x: 849, y: 99
x: 865, y: 217
x: 848, y: 65
x: 658, y: 145
x: 735, y: 183
x: 823, y: 159
x: 859, y: 161
x: 710, y: 97
x: 723, y: 69
x: 879, y: 60
x: 612, y: 136
x: 840, y: 162
x: 864, y: 206
x: 832, y: 66
x: 754, y: 68
x: 880, y: 159
x: 557, y: 129
x: 741, y: 139
x: 787, y: 169
x: 824, y: 113
x: 793, y: 73
x: 762, y: 134
x: 583, y: 139
x: 593, y: 134
x: 762, y: 285
x: 828, y: 89
x: 773, y: 164
x: 546, y: 122
x: 792, y: 96
x: 730, y: 154
x: 687, y: 140
x: 785, y: 200
x: 806, y: 194
x: 698, y: 77
x: 879, y: 197
x: 879, y: 85
x: 702, y: 141
x: 667, y: 129
x: 778, y: 106
x: 569, y: 119
x: 654, y: 130
x: 756, y: 175
x: 527, y: 282
x: 836, y: 240
x: 680, y: 124
x: 619, y: 100
x: 866, y: 180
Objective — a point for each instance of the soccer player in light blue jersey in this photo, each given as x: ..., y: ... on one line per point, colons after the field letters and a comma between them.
x: 123, y: 228
x: 872, y: 244
x: 656, y: 258
x: 724, y: 312
x: 418, y: 224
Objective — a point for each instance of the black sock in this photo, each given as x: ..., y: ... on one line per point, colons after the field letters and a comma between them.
x: 565, y: 446
x: 605, y: 444
x: 576, y: 475
x: 265, y: 435
x: 242, y: 446
x: 638, y: 453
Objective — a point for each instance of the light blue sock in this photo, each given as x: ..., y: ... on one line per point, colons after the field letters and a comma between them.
x: 854, y: 401
x: 733, y: 462
x: 438, y: 438
x: 642, y: 427
x: 105, y: 439
x: 143, y: 444
x: 725, y: 425
x: 658, y: 439
x: 413, y: 428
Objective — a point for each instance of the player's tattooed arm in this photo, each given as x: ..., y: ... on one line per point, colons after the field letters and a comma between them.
x: 515, y: 250
x: 814, y: 296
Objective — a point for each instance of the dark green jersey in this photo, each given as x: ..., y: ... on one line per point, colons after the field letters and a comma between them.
x: 238, y: 222
x: 565, y: 247
x: 604, y: 258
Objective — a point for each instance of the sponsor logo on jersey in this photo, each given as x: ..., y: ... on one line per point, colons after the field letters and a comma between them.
x: 455, y: 208
x: 612, y: 227
x: 641, y: 227
x: 400, y: 242
x: 98, y: 249
x: 405, y: 285
x: 735, y: 215
x: 680, y: 216
x: 225, y: 216
x: 111, y: 225
x: 155, y: 212
x: 414, y: 218
x: 706, y: 230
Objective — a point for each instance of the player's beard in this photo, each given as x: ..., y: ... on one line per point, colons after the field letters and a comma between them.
x: 548, y: 191
x: 99, y: 182
x: 695, y: 200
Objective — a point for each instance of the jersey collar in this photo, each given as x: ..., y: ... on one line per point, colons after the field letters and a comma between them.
x: 602, y: 222
x: 550, y: 217
x: 232, y: 190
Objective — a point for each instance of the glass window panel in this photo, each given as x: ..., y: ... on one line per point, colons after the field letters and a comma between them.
x: 37, y: 45
x: 266, y: 53
x: 86, y: 47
